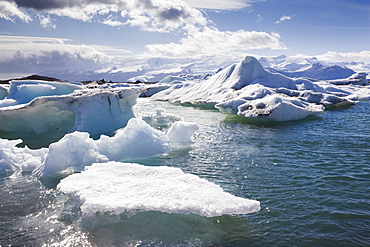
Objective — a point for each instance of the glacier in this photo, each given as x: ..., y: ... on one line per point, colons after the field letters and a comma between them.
x: 247, y: 89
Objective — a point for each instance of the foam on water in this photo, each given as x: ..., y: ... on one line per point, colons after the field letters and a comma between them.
x: 121, y: 187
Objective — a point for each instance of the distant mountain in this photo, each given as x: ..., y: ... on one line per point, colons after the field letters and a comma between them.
x: 155, y: 69
x: 31, y: 77
x: 319, y: 72
x: 285, y: 63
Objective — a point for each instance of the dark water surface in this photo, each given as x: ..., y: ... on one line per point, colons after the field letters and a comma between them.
x: 312, y: 178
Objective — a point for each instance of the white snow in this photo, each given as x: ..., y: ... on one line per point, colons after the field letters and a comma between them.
x: 120, y: 187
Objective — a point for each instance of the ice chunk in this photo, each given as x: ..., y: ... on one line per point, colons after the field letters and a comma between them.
x: 121, y: 187
x: 13, y: 158
x: 160, y: 120
x: 136, y: 140
x: 181, y: 132
x: 275, y: 107
x: 72, y: 153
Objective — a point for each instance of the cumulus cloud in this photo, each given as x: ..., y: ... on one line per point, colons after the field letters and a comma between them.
x: 150, y: 15
x: 212, y: 41
x: 22, y: 55
x: 284, y: 18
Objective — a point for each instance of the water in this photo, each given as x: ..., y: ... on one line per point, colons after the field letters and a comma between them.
x: 312, y: 178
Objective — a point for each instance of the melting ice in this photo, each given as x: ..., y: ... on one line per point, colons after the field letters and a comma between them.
x: 121, y: 187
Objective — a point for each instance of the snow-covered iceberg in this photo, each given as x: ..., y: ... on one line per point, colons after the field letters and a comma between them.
x: 117, y: 188
x: 247, y: 89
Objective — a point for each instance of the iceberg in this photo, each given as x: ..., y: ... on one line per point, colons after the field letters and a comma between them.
x: 23, y: 91
x: 51, y: 117
x: 275, y: 107
x: 117, y: 188
x: 137, y: 140
x: 3, y: 92
x: 248, y: 90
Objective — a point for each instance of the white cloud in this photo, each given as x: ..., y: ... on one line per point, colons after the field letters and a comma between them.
x: 333, y: 56
x: 211, y: 41
x: 22, y: 54
x: 218, y: 4
x: 150, y: 15
x: 45, y: 21
x: 284, y: 18
x: 111, y: 21
x: 8, y: 10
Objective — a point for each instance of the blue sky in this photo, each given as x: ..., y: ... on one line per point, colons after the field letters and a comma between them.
x: 40, y: 35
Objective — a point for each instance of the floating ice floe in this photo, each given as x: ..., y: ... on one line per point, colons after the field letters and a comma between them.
x: 247, y: 89
x: 125, y: 187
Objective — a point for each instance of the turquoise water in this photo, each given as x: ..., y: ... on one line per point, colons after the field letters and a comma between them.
x: 312, y: 178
